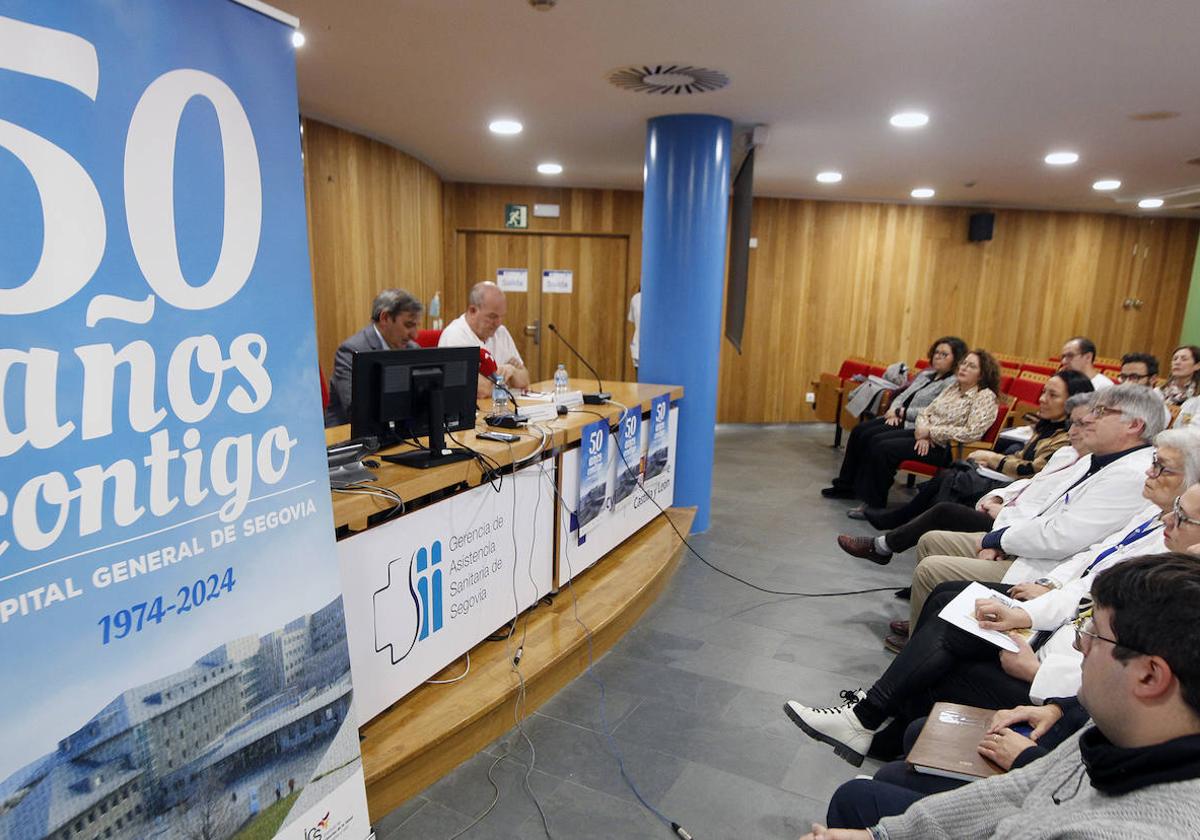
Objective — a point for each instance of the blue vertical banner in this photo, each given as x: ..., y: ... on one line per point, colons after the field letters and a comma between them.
x: 593, y: 477
x: 659, y: 443
x: 170, y: 608
x: 628, y: 462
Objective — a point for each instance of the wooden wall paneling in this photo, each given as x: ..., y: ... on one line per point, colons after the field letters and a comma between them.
x: 480, y: 207
x: 830, y: 280
x: 482, y: 255
x: 1164, y: 251
x: 375, y: 221
x: 592, y: 317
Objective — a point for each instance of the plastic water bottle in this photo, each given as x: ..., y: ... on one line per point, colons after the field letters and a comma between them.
x: 435, y: 311
x: 561, y: 383
x: 499, y: 395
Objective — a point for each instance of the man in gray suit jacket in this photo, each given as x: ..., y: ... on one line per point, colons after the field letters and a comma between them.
x: 395, y: 320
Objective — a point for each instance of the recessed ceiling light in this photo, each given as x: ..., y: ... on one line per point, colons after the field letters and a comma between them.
x: 298, y: 38
x: 1150, y: 203
x: 505, y: 127
x: 1062, y: 158
x: 829, y: 177
x: 550, y: 168
x: 922, y: 192
x: 1107, y: 184
x: 909, y: 119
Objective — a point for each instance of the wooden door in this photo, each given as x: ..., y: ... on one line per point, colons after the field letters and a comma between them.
x: 480, y: 257
x: 592, y: 315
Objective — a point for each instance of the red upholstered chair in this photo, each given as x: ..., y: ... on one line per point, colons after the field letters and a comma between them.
x: 1027, y: 387
x: 915, y: 468
x: 1034, y: 367
x: 428, y: 338
x: 830, y: 389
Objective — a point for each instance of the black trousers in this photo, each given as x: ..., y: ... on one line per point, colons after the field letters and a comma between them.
x: 944, y: 516
x: 940, y: 662
x: 889, y: 450
x: 862, y: 803
x: 858, y: 446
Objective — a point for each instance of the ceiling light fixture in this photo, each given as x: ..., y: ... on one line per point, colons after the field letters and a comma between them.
x: 298, y: 38
x: 922, y: 192
x: 505, y: 126
x: 909, y: 119
x: 1062, y: 158
x: 829, y: 177
x: 550, y: 168
x: 1107, y: 184
x: 1150, y: 203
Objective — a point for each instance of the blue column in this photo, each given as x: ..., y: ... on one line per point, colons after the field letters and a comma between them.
x: 684, y: 219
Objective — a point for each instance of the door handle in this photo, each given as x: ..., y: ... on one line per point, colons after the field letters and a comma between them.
x: 534, y: 330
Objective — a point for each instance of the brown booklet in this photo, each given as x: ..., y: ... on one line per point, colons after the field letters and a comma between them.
x: 947, y: 744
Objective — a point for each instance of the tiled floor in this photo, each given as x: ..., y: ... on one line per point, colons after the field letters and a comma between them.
x: 694, y: 692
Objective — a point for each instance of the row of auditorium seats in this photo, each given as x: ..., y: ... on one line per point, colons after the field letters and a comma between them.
x: 1020, y: 378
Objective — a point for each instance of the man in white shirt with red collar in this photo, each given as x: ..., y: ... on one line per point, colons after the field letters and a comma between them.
x: 482, y: 325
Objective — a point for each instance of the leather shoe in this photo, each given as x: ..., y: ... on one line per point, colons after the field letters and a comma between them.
x: 895, y: 643
x: 899, y: 627
x: 863, y: 547
x: 835, y: 492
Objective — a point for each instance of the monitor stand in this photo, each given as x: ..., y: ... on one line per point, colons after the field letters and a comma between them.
x: 437, y: 453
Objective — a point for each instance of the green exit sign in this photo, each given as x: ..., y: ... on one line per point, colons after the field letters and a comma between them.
x: 516, y: 216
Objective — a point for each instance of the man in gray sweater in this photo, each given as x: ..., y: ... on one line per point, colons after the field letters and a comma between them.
x: 1136, y: 773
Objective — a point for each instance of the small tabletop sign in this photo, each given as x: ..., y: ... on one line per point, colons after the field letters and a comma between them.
x: 516, y: 216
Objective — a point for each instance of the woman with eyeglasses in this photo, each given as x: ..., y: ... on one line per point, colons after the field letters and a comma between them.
x: 944, y: 357
x: 942, y: 662
x: 962, y: 413
x: 1184, y: 382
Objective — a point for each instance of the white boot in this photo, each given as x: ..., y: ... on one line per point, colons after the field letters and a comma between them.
x: 837, y: 726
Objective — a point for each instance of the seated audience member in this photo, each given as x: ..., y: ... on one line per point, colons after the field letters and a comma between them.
x: 1138, y: 369
x: 1186, y: 415
x: 896, y: 785
x: 961, y: 413
x: 395, y: 320
x: 1136, y: 771
x: 1090, y: 497
x: 1049, y: 431
x: 945, y: 354
x: 1184, y: 382
x: 1079, y: 354
x: 942, y: 662
x: 1050, y: 434
x: 482, y: 325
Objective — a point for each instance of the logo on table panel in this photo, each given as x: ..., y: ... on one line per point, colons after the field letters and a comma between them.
x: 316, y: 832
x: 408, y: 609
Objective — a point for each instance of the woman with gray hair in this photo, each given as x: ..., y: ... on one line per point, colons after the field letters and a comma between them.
x: 943, y: 662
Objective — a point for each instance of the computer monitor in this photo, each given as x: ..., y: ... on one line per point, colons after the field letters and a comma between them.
x: 399, y: 395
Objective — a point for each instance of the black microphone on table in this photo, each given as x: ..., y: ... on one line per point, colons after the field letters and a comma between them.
x: 601, y: 396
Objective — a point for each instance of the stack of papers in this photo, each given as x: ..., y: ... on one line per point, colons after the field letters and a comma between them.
x: 961, y: 613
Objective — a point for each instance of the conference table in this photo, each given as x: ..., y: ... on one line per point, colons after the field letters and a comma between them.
x: 451, y: 573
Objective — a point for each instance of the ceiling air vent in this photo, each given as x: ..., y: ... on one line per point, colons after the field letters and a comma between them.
x: 668, y: 79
